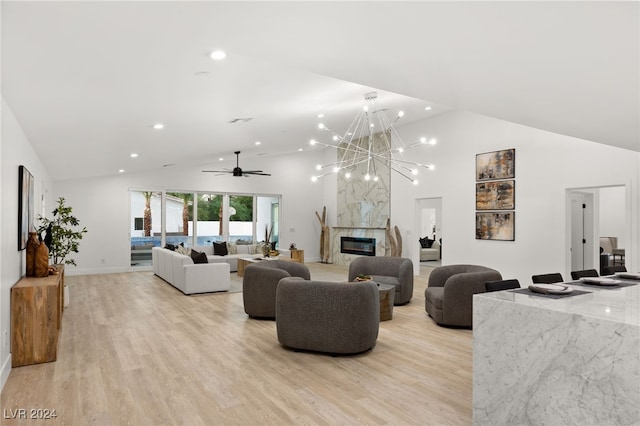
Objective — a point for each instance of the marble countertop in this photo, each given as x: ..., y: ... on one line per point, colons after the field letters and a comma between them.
x: 613, y: 304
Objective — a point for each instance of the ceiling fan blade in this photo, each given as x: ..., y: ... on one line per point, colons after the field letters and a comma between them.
x: 217, y: 171
x: 257, y: 172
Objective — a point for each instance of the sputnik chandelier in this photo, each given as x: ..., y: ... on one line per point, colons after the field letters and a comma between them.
x: 371, y: 144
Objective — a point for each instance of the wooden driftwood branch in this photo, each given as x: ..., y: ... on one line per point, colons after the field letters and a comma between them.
x: 325, y: 241
x: 394, y: 244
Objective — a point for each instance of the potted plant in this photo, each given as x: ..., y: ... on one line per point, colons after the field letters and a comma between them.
x: 62, y: 235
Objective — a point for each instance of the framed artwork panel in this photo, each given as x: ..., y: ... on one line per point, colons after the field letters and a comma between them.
x: 495, y: 226
x: 25, y: 206
x: 496, y: 195
x: 496, y: 165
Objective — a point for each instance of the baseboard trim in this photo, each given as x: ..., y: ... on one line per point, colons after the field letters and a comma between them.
x: 4, y: 374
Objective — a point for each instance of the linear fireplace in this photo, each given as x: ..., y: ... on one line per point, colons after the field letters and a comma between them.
x: 363, y: 246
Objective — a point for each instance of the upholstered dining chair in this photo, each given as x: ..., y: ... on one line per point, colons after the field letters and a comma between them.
x: 547, y: 278
x: 576, y: 275
x: 610, y: 270
x: 396, y: 271
x: 501, y: 285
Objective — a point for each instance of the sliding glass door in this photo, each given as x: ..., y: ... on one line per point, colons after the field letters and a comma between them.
x: 159, y: 218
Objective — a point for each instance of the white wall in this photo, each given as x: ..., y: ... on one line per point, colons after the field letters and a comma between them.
x: 612, y: 223
x: 16, y: 151
x: 546, y: 165
x: 102, y: 205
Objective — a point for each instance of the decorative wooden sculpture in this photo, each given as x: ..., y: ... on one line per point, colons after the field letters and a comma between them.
x: 394, y: 248
x: 32, y: 247
x: 42, y: 261
x: 325, y: 240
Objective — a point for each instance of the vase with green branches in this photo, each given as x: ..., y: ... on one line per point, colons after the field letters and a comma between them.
x: 62, y: 233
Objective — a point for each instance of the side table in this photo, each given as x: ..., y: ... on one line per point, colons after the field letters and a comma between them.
x: 387, y: 295
x: 298, y: 254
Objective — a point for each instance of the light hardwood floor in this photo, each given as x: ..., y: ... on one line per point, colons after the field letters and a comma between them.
x: 135, y: 351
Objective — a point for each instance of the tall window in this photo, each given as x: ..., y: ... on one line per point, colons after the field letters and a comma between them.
x: 179, y: 222
x: 241, y: 218
x: 210, y: 225
x: 146, y: 225
x: 267, y: 218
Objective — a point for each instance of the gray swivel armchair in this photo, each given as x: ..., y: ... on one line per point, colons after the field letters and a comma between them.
x: 331, y: 317
x: 397, y: 271
x: 260, y: 282
x: 449, y: 294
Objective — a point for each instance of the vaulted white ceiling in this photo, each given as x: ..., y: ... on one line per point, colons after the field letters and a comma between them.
x: 91, y: 78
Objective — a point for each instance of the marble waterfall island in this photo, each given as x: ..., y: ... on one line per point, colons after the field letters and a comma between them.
x: 568, y: 361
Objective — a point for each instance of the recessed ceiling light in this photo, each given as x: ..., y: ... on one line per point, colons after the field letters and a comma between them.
x: 427, y: 108
x: 121, y: 171
x: 133, y: 155
x: 300, y: 149
x: 220, y: 159
x: 258, y: 142
x: 320, y: 115
x: 218, y: 55
x: 158, y: 126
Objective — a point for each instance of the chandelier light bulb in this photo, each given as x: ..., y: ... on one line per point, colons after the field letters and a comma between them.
x: 375, y: 178
x: 415, y: 182
x: 347, y: 175
x: 423, y: 140
x: 314, y: 178
x: 321, y: 126
x: 414, y: 171
x: 318, y: 166
x: 365, y: 108
x: 367, y: 177
x: 312, y: 142
x: 400, y: 150
x: 335, y: 138
x: 400, y: 113
x: 432, y: 141
x: 431, y: 167
x: 336, y: 169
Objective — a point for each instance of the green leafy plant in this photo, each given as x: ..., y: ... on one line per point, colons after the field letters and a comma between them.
x: 62, y: 236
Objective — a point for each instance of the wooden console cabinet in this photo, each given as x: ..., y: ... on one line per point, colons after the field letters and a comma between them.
x: 36, y: 318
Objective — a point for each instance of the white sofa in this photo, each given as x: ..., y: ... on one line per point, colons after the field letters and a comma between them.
x: 432, y: 253
x: 180, y: 271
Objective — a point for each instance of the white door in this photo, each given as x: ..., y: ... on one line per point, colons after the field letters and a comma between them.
x: 582, y: 232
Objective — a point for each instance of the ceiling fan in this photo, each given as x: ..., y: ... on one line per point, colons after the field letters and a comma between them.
x: 237, y: 171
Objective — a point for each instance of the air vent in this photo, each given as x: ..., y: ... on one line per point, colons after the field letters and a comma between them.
x: 241, y: 120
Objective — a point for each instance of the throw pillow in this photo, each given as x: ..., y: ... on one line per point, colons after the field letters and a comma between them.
x: 425, y: 242
x: 232, y: 248
x: 220, y: 249
x: 199, y: 256
x: 170, y: 247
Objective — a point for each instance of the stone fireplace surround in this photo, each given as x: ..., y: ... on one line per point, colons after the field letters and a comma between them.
x: 363, y: 207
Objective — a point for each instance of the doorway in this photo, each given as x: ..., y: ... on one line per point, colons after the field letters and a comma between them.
x: 428, y: 223
x: 593, y: 214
